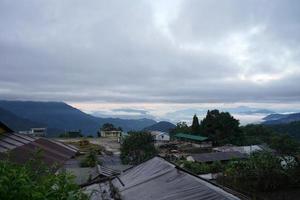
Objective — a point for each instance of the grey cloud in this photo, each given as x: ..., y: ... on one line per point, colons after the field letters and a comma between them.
x: 113, y: 51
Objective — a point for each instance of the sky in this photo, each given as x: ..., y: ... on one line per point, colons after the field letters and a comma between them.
x: 152, y: 58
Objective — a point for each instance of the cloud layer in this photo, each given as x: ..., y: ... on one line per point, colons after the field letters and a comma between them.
x: 150, y: 51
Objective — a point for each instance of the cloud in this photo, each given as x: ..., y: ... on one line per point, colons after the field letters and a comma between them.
x: 150, y: 52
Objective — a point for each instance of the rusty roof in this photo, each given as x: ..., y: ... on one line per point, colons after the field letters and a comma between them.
x: 21, y: 148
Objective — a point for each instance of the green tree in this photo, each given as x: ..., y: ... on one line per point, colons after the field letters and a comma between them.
x: 261, y: 172
x: 256, y: 134
x: 221, y: 128
x: 284, y: 145
x: 108, y: 127
x: 195, y: 125
x: 35, y: 181
x: 137, y: 147
x: 181, y: 127
x: 90, y: 160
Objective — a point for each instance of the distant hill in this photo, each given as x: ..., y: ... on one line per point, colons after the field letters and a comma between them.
x: 17, y: 123
x: 61, y: 116
x: 163, y: 126
x: 281, y: 118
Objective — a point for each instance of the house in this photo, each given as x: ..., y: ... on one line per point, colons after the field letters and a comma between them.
x: 111, y: 133
x: 20, y: 148
x: 203, y: 141
x: 160, y: 136
x: 242, y: 149
x: 160, y: 180
x: 216, y: 156
x: 35, y: 132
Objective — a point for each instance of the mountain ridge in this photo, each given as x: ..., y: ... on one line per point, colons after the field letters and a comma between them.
x: 163, y: 126
x: 61, y: 116
x: 281, y: 118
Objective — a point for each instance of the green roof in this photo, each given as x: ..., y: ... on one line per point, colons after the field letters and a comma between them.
x: 191, y: 137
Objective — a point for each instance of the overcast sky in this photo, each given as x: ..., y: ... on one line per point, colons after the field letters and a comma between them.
x: 151, y: 55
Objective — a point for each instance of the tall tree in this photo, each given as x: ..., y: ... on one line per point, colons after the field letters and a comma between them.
x: 181, y: 127
x: 221, y: 128
x: 195, y: 125
x: 137, y: 147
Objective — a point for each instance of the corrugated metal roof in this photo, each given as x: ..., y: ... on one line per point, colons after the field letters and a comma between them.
x: 191, y: 137
x: 218, y: 156
x: 160, y: 180
x: 20, y: 149
x: 105, y: 171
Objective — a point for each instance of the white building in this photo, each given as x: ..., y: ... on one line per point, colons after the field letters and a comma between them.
x: 111, y: 134
x: 160, y: 136
x: 38, y: 132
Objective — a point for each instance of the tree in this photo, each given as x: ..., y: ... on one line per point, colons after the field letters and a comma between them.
x: 181, y: 127
x: 284, y: 145
x: 195, y: 125
x: 221, y: 128
x: 35, y: 181
x: 108, y: 127
x: 90, y: 160
x: 256, y: 134
x: 261, y: 172
x: 137, y: 147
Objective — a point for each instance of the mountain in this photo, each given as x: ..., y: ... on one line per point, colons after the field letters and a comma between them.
x: 60, y: 116
x: 17, y: 123
x: 281, y: 118
x: 274, y: 117
x: 249, y: 110
x: 163, y: 126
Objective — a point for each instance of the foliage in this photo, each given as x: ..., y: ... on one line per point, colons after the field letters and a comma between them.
x: 137, y: 147
x: 195, y: 128
x: 201, y: 168
x: 261, y: 172
x: 292, y: 129
x: 181, y: 127
x: 221, y: 128
x: 35, y: 182
x: 284, y: 144
x: 110, y: 127
x: 84, y: 142
x: 90, y: 160
x: 258, y: 134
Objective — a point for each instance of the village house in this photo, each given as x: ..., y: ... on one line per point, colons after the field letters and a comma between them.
x: 158, y: 179
x: 160, y: 136
x: 35, y: 132
x: 202, y: 141
x: 19, y: 148
x: 111, y: 133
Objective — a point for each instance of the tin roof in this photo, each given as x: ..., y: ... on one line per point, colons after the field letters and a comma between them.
x: 218, y: 156
x: 191, y: 137
x: 161, y: 180
x: 22, y: 148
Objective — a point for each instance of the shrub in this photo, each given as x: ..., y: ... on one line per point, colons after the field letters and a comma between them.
x: 137, y: 147
x: 90, y: 160
x: 28, y: 183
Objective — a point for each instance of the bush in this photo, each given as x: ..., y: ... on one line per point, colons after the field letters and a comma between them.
x: 201, y: 168
x: 90, y: 160
x: 261, y: 172
x: 137, y: 147
x: 28, y: 183
x: 84, y: 142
